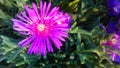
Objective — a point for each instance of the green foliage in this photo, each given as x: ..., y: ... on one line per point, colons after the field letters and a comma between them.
x: 82, y: 49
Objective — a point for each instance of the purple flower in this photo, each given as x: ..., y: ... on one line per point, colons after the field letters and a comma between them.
x: 42, y: 26
x: 114, y: 43
x: 114, y: 57
x: 111, y: 27
x: 114, y: 6
x: 117, y: 58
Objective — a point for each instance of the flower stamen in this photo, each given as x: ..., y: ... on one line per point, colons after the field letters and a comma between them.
x: 59, y: 23
x: 41, y: 27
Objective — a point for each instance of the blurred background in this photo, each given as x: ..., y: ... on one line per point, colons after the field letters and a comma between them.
x: 82, y: 48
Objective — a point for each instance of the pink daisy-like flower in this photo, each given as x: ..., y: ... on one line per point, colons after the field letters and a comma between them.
x: 114, y: 43
x: 42, y: 26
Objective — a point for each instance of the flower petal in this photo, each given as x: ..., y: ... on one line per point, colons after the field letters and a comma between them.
x: 31, y: 14
x: 48, y: 8
x: 19, y: 25
x: 57, y: 42
x: 31, y: 48
x: 44, y: 9
x: 53, y: 11
x: 49, y: 45
x: 28, y: 41
x: 23, y: 19
x: 25, y: 40
x: 36, y: 10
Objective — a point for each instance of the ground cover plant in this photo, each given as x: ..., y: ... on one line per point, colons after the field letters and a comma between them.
x: 59, y: 33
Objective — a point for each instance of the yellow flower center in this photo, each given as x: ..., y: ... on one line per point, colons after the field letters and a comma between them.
x: 114, y: 41
x: 41, y: 27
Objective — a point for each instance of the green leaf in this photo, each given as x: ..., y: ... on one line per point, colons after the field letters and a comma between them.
x: 20, y: 3
x: 84, y: 32
x: 82, y: 58
x: 74, y: 25
x: 20, y: 63
x: 78, y: 44
x: 98, y: 51
x: 74, y: 3
x: 2, y: 57
x: 9, y: 41
x: 74, y: 30
x: 13, y: 56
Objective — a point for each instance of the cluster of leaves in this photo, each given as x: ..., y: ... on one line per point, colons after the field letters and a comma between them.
x: 81, y: 49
